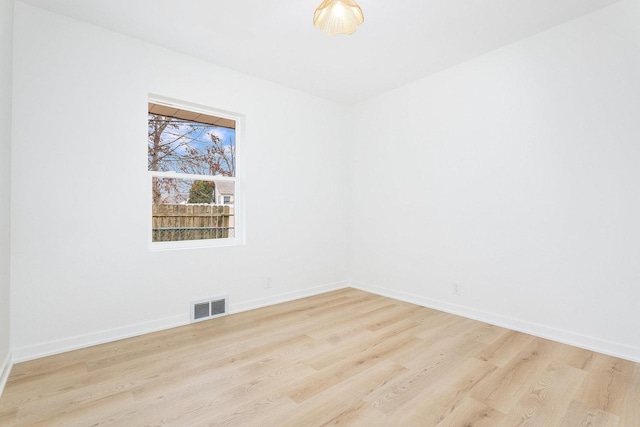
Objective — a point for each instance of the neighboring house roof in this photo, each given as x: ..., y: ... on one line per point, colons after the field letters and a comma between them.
x: 225, y: 187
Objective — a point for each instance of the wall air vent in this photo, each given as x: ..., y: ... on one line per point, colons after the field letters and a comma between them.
x: 208, y: 308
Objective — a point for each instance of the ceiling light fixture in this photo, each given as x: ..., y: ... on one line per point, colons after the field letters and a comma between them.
x: 338, y: 17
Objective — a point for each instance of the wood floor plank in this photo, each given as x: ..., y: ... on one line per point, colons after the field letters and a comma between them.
x: 426, y: 372
x: 222, y: 379
x: 341, y: 358
x: 8, y: 415
x: 486, y: 333
x: 342, y: 325
x: 435, y: 403
x: 226, y: 399
x: 606, y: 386
x: 471, y: 412
x: 505, y: 348
x: 579, y: 357
x: 352, y: 365
x: 631, y: 409
x: 365, y: 343
x: 343, y: 404
x: 506, y: 386
x: 580, y: 414
x: 546, y: 403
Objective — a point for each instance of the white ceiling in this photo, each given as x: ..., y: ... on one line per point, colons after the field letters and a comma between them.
x: 399, y: 42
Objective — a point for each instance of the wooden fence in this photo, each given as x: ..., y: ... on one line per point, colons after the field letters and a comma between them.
x: 191, y: 222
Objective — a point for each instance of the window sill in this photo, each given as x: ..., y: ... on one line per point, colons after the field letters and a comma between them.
x: 193, y: 244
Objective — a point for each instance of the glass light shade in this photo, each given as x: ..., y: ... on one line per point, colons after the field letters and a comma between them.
x: 338, y: 17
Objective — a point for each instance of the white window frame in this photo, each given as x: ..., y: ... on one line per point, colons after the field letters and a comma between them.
x: 239, y: 223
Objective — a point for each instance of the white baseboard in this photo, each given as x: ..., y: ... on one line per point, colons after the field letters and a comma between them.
x: 566, y: 337
x: 5, y: 370
x: 22, y: 354
x: 284, y: 297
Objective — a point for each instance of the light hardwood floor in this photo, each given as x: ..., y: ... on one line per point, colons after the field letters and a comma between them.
x: 345, y: 357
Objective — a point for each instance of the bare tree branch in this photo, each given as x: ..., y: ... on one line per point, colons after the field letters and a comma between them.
x: 185, y: 147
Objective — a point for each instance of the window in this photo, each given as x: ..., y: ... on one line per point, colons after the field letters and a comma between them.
x: 192, y: 165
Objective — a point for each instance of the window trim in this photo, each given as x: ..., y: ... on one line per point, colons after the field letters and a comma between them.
x: 238, y: 209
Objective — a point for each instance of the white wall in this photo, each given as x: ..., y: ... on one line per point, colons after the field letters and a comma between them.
x: 6, y: 32
x: 82, y: 271
x: 516, y: 174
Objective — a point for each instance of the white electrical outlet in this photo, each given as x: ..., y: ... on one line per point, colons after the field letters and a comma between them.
x: 456, y: 288
x: 268, y: 283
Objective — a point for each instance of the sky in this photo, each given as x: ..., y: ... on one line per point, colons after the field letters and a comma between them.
x: 190, y: 135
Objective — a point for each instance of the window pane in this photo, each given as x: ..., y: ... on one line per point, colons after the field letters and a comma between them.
x: 188, y: 146
x: 186, y: 209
